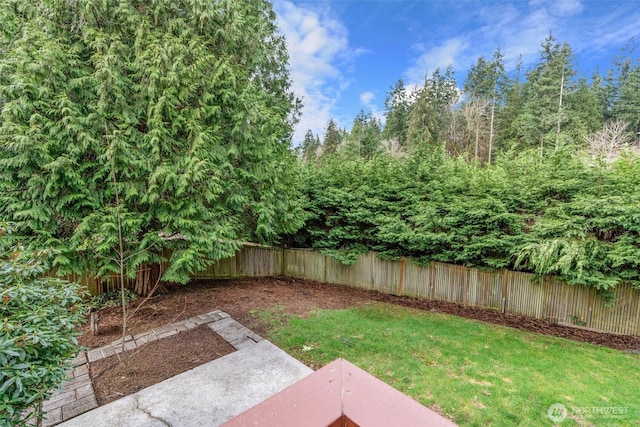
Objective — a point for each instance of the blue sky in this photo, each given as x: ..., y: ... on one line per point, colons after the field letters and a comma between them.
x: 346, y: 54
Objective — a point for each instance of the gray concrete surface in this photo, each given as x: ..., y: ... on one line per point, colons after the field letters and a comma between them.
x: 236, y: 334
x: 204, y: 396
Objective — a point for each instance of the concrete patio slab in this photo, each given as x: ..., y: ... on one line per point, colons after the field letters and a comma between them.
x: 207, y: 395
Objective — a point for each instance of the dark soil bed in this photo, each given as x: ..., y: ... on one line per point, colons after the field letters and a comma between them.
x: 242, y: 298
x: 114, y: 378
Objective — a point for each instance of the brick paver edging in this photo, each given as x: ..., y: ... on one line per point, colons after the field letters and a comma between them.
x: 78, y: 396
x: 134, y: 341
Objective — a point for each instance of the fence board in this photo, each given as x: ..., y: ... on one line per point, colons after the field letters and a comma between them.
x: 484, y: 289
x: 295, y: 263
x: 304, y: 264
x: 523, y: 296
x: 335, y: 272
x: 386, y: 276
x: 221, y: 269
x: 417, y: 282
x: 449, y: 282
x: 259, y: 262
x: 622, y: 317
x: 362, y: 272
x: 567, y: 304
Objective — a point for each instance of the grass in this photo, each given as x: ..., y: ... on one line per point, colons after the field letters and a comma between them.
x: 475, y: 373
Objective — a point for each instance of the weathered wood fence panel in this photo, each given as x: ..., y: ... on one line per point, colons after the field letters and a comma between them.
x: 523, y: 296
x: 98, y: 285
x: 507, y: 291
x: 223, y: 268
x: 259, y: 262
x: 336, y: 273
x: 622, y: 317
x: 386, y: 276
x: 449, y: 283
x: 485, y: 288
x: 417, y: 280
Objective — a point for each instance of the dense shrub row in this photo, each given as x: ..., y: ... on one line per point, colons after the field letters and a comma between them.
x: 560, y: 214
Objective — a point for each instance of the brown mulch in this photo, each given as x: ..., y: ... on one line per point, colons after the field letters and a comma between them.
x: 238, y: 297
x: 242, y: 298
x: 114, y: 378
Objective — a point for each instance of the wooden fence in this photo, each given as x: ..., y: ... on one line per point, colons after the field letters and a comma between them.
x: 503, y: 290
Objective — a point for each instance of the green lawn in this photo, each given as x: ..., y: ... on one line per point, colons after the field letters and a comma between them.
x: 475, y: 373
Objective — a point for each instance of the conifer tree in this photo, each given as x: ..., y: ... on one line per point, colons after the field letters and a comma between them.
x: 627, y: 107
x: 482, y: 87
x: 431, y: 111
x: 365, y: 136
x: 190, y: 99
x: 310, y: 146
x: 398, y: 105
x: 543, y: 113
x: 332, y: 139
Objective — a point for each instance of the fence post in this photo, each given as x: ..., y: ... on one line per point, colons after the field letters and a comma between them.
x: 505, y: 275
x: 324, y: 268
x: 592, y: 298
x: 237, y: 257
x: 401, y: 279
x: 465, y: 286
x: 432, y: 278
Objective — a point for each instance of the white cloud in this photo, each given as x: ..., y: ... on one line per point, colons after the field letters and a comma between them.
x: 617, y: 27
x: 366, y: 98
x: 440, y: 56
x: 518, y: 29
x: 561, y: 8
x: 318, y: 46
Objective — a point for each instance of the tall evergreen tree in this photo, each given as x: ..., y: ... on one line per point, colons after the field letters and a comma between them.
x: 542, y: 116
x: 512, y: 102
x: 627, y: 106
x: 332, y: 139
x: 184, y: 107
x: 365, y: 136
x: 482, y: 87
x: 431, y: 112
x: 587, y: 111
x: 310, y: 146
x: 397, y: 105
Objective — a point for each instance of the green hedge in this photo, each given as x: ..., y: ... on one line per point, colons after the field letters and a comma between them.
x: 561, y: 214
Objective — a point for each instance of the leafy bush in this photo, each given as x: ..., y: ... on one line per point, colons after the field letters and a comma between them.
x: 38, y: 317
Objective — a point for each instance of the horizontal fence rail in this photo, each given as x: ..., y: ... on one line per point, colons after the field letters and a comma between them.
x: 504, y: 290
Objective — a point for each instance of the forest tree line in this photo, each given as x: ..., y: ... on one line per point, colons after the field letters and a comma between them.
x: 548, y: 107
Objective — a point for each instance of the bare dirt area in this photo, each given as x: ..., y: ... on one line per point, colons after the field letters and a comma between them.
x: 114, y: 378
x: 242, y: 299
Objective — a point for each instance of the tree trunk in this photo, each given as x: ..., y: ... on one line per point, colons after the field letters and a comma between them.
x: 148, y: 280
x: 560, y: 110
x: 493, y: 111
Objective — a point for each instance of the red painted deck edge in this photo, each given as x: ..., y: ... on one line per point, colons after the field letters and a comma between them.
x: 339, y: 394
